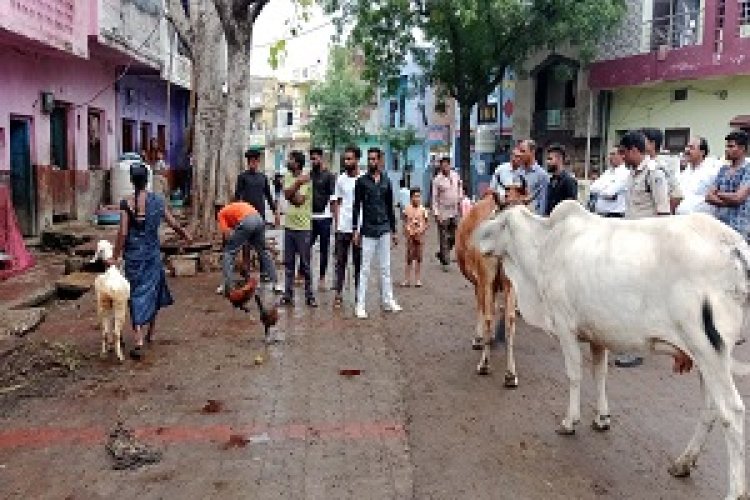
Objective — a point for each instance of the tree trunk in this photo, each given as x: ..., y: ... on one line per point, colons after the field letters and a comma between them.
x: 237, y: 133
x: 464, y: 149
x: 209, y: 120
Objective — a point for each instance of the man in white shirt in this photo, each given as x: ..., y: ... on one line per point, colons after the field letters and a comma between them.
x: 342, y: 221
x: 611, y: 189
x: 697, y: 178
x: 507, y: 174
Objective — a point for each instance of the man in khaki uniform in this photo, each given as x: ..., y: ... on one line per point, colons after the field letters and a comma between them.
x: 652, y: 190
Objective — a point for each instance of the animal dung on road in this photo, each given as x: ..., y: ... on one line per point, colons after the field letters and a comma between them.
x: 213, y: 406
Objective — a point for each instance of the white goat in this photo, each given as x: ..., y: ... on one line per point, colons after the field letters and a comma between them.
x: 112, y: 294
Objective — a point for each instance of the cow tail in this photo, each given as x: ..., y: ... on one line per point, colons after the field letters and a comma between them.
x: 710, y: 327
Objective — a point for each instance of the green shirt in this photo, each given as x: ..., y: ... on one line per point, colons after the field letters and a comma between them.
x: 299, y: 218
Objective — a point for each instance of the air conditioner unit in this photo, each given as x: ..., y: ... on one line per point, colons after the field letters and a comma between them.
x: 554, y: 118
x: 47, y: 100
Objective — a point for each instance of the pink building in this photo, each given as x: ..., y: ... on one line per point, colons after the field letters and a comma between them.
x: 682, y: 66
x: 66, y: 65
x: 57, y: 111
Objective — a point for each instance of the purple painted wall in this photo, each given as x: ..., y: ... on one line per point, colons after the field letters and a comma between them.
x: 142, y: 102
x: 692, y: 62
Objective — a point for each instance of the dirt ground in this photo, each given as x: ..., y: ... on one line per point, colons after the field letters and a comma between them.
x: 412, y: 420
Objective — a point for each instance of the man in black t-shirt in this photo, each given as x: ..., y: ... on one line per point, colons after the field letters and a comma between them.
x: 253, y: 188
x: 324, y: 188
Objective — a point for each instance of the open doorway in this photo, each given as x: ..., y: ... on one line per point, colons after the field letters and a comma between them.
x: 22, y: 178
x: 145, y: 136
x: 59, y: 137
x: 94, y: 141
x: 128, y: 136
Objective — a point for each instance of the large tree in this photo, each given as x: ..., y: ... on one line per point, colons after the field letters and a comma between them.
x: 467, y: 45
x: 200, y: 29
x: 337, y: 103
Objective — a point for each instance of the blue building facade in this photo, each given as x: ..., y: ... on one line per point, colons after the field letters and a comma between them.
x: 491, y: 133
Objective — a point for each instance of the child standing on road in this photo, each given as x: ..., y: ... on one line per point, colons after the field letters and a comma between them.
x: 415, y: 226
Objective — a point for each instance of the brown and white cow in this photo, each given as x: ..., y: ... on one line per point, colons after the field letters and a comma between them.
x: 487, y: 275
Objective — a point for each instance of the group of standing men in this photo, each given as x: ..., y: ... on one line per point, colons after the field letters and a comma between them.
x: 357, y: 208
x: 544, y: 189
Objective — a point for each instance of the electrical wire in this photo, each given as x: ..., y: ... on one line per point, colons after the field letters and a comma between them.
x: 123, y: 72
x: 298, y: 35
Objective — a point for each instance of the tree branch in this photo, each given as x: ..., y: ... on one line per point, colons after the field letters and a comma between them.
x: 225, y: 16
x: 259, y: 5
x: 179, y: 20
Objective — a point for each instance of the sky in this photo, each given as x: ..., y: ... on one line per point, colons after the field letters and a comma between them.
x: 310, y: 48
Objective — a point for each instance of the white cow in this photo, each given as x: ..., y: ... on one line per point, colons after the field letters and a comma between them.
x: 676, y: 286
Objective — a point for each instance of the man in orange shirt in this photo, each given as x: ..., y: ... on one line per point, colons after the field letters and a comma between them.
x: 240, y: 223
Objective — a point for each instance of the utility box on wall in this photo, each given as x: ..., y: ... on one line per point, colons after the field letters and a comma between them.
x: 47, y: 100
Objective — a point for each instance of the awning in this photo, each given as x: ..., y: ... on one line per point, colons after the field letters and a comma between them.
x: 740, y: 121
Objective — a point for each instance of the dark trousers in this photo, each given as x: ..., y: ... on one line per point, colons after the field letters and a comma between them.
x: 341, y: 248
x: 252, y: 231
x: 297, y: 243
x: 322, y: 228
x: 247, y: 256
x: 447, y: 236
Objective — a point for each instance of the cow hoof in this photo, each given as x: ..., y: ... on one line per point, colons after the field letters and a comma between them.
x: 564, y: 431
x: 679, y: 469
x: 483, y: 370
x: 511, y: 381
x: 477, y: 344
x: 600, y: 425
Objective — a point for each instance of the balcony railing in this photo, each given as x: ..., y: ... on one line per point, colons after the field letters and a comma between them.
x: 634, y: 36
x: 677, y: 30
x: 554, y: 119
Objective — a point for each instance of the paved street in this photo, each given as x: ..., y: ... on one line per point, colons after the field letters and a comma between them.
x: 415, y: 423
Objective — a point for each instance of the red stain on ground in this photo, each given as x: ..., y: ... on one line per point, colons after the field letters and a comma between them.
x: 46, y: 437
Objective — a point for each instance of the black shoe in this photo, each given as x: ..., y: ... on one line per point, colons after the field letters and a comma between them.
x: 286, y: 302
x: 311, y: 302
x: 136, y: 353
x: 440, y: 258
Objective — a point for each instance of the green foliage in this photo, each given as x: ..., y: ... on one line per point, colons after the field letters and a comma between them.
x: 468, y: 44
x: 401, y: 139
x: 337, y: 103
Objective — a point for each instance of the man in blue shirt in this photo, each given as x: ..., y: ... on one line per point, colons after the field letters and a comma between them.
x: 536, y: 178
x: 731, y: 191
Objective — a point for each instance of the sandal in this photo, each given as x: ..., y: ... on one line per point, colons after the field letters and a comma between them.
x: 136, y: 353
x: 418, y: 284
x: 405, y: 284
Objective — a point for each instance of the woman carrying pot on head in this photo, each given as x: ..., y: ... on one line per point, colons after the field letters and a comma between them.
x: 138, y: 243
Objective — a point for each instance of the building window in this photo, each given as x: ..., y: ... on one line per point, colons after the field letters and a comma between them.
x: 486, y: 112
x: 393, y: 111
x: 289, y: 118
x: 680, y: 94
x: 402, y: 110
x: 676, y: 139
x: 744, y: 13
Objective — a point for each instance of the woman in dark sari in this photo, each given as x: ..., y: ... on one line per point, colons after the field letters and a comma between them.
x: 138, y: 242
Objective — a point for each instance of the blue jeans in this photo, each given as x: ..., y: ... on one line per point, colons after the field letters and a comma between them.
x: 250, y: 230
